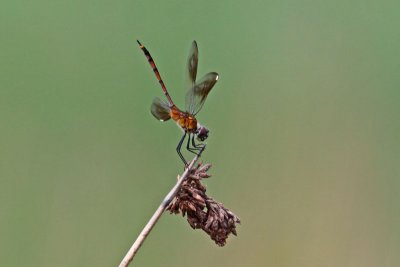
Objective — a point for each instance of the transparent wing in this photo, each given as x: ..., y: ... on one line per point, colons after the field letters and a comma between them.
x: 196, y: 96
x: 160, y: 109
x: 193, y: 61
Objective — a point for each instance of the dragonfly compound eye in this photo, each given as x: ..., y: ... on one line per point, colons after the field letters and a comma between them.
x: 202, y: 133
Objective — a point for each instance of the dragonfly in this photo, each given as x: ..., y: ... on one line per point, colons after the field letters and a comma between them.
x: 197, y: 92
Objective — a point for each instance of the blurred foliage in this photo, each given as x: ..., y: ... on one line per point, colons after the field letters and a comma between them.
x: 304, y: 131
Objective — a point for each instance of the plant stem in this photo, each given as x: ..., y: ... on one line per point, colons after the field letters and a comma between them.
x: 157, y: 214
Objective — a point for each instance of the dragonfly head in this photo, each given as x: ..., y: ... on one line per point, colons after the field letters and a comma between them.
x: 201, y: 132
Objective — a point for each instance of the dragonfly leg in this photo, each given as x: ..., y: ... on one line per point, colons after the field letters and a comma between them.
x: 191, y: 149
x: 195, y: 149
x: 198, y: 146
x: 188, y: 144
x: 178, y: 148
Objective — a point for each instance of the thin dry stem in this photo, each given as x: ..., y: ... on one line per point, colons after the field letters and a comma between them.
x: 153, y: 220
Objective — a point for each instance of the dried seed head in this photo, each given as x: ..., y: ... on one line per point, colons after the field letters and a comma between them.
x: 202, y: 211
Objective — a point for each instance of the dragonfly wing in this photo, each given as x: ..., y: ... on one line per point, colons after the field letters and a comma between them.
x: 160, y: 109
x: 199, y: 92
x: 193, y: 61
x: 192, y: 64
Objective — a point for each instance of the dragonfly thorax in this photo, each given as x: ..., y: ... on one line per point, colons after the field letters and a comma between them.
x: 185, y: 120
x: 188, y: 123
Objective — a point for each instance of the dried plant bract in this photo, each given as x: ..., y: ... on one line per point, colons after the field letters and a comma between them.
x: 202, y: 211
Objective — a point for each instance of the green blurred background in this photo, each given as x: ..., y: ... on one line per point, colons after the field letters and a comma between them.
x: 304, y: 131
